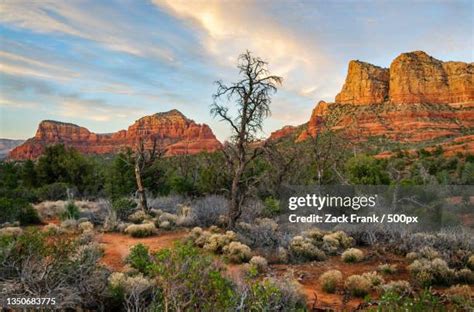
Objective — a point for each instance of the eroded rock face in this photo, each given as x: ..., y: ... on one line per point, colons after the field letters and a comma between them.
x: 418, y: 99
x: 365, y: 84
x: 416, y: 77
x: 172, y: 130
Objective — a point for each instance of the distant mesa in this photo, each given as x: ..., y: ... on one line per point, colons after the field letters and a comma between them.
x: 6, y: 145
x: 417, y: 99
x: 172, y: 131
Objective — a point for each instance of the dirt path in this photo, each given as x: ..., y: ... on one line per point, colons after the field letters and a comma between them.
x: 117, y: 245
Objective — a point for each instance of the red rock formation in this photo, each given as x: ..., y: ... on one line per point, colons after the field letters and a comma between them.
x: 172, y: 131
x: 365, y: 84
x: 418, y: 99
x: 283, y: 133
x: 417, y: 77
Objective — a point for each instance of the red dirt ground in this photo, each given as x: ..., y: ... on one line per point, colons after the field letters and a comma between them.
x: 308, y: 274
x: 117, y: 245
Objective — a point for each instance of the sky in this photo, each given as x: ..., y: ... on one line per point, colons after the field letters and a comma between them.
x: 104, y: 64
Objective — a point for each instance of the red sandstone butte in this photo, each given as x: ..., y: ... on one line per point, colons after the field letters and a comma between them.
x: 172, y: 130
x: 419, y: 98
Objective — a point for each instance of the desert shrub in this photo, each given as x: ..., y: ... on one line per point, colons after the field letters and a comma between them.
x: 123, y: 207
x: 302, y: 248
x: 134, y: 291
x: 140, y: 230
x: 53, y: 191
x: 37, y: 263
x: 85, y: 226
x: 352, y: 255
x: 260, y: 264
x: 461, y: 295
x: 271, y: 295
x: 412, y: 256
x: 71, y: 212
x: 424, y: 301
x: 52, y: 229
x: 17, y: 210
x: 470, y: 262
x: 428, y: 253
x: 262, y: 233
x: 208, y: 209
x: 11, y: 231
x: 387, y: 268
x: 358, y: 285
x: 282, y: 255
x: 139, y: 258
x: 138, y: 217
x: 342, y: 239
x: 399, y: 287
x: 237, y: 252
x: 272, y: 207
x: 374, y: 278
x: 165, y: 216
x: 166, y: 225
x: 426, y: 272
x: 69, y: 224
x: 465, y: 276
x: 217, y: 242
x: 86, y: 237
x: 187, y: 279
x: 330, y: 280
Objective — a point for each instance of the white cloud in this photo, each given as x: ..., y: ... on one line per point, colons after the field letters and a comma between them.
x: 227, y: 28
x: 88, y: 20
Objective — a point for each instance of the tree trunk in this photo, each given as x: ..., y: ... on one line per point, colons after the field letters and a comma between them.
x: 235, y: 210
x: 140, y: 188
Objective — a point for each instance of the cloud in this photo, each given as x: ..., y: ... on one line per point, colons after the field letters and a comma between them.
x: 227, y: 28
x: 97, y: 110
x: 92, y: 21
x: 17, y: 104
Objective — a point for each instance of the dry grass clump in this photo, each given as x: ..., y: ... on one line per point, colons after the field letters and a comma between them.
x: 217, y: 242
x: 141, y: 230
x: 11, y: 231
x: 460, y: 294
x: 138, y: 217
x: 330, y: 280
x: 465, y: 276
x: 166, y: 216
x: 52, y: 229
x: 399, y: 287
x: 237, y: 252
x: 338, y: 239
x: 85, y: 226
x: 352, y: 255
x: 69, y: 224
x: 303, y: 248
x: 282, y: 255
x: 374, y: 278
x: 429, y: 253
x: 358, y: 285
x: 470, y: 262
x: 260, y: 264
x: 387, y: 268
x: 426, y: 272
x: 50, y: 209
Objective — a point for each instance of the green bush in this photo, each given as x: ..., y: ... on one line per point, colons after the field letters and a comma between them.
x: 72, y: 212
x: 123, y: 207
x: 12, y: 210
x: 424, y: 301
x: 139, y: 258
x: 272, y: 207
x: 189, y: 279
x: 54, y: 191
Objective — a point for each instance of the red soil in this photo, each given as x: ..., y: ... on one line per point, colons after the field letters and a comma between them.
x: 117, y: 246
x: 308, y: 274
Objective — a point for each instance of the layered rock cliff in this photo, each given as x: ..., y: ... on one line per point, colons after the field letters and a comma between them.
x: 418, y: 99
x: 172, y: 131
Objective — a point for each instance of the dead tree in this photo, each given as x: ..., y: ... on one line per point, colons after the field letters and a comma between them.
x: 143, y: 159
x: 252, y: 97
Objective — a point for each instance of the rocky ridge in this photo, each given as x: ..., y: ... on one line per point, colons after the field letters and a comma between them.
x: 172, y: 131
x: 417, y: 99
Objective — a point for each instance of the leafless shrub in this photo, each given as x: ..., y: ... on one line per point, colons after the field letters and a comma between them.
x: 166, y: 203
x: 261, y: 233
x: 207, y: 210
